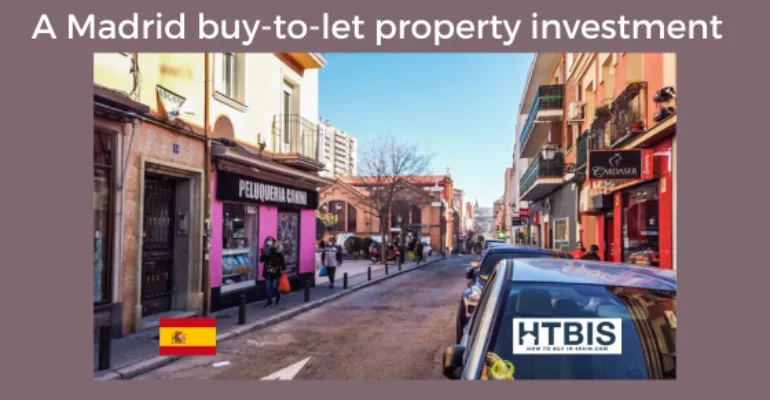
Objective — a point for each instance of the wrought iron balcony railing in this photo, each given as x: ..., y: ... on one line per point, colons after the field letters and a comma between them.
x: 293, y: 134
x: 629, y: 112
x: 592, y: 139
x: 542, y: 168
x: 549, y: 97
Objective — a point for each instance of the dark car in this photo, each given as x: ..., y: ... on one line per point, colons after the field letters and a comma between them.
x: 480, y: 271
x: 640, y: 302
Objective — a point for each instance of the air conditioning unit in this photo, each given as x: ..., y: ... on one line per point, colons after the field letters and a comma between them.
x: 575, y: 110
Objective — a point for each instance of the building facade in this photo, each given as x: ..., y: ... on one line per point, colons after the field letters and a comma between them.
x: 265, y: 163
x: 182, y: 139
x: 340, y: 151
x: 425, y: 212
x: 149, y: 227
x: 599, y: 135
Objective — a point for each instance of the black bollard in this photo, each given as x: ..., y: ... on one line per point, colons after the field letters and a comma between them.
x: 105, y: 347
x: 345, y: 280
x: 399, y: 266
x: 307, y: 291
x: 386, y: 268
x: 369, y: 274
x: 242, y: 310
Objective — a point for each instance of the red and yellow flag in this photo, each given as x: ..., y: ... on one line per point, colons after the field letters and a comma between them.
x: 188, y: 337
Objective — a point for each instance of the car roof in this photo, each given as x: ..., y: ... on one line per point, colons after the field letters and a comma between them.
x: 511, y: 248
x: 556, y: 270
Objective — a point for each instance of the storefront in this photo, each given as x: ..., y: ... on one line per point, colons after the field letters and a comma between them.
x: 636, y: 217
x: 249, y: 205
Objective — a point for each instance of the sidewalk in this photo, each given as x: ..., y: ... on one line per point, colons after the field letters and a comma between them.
x: 142, y: 346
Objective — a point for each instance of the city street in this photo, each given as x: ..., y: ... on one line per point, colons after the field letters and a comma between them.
x: 397, y: 329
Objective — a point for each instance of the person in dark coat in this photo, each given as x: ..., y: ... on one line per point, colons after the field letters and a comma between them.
x: 273, y: 268
x: 593, y: 254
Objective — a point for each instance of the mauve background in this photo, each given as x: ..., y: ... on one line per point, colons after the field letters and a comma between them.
x: 46, y: 195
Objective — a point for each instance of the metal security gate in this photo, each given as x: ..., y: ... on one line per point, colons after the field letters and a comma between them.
x: 158, y: 244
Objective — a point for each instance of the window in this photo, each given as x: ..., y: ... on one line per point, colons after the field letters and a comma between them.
x: 648, y: 331
x: 337, y: 209
x: 640, y: 225
x: 490, y: 261
x: 240, y: 246
x: 102, y: 216
x: 228, y: 74
x: 569, y: 137
x: 288, y: 235
x: 230, y: 79
x: 287, y: 106
x: 561, y: 234
x: 351, y: 218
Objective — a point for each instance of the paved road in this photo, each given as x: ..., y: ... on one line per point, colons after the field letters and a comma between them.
x: 397, y: 329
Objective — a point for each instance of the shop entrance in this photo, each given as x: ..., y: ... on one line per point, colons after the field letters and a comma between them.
x: 288, y: 234
x: 609, y: 232
x: 158, y: 244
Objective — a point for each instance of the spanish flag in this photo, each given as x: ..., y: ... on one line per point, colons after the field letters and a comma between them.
x: 188, y: 337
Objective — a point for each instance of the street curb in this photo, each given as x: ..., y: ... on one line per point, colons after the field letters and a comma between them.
x: 154, y: 363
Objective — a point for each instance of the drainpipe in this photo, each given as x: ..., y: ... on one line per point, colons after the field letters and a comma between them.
x: 206, y: 281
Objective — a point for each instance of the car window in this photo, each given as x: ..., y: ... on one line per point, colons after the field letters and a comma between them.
x: 476, y: 317
x: 490, y: 260
x: 648, y: 331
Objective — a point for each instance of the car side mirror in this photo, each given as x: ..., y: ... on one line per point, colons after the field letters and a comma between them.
x: 453, y: 361
x: 470, y: 273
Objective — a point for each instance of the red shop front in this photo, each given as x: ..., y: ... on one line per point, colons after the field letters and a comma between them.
x: 638, y: 225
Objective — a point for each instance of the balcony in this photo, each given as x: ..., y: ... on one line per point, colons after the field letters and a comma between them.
x: 591, y: 139
x: 295, y: 142
x: 542, y: 177
x: 547, y: 107
x: 629, y: 113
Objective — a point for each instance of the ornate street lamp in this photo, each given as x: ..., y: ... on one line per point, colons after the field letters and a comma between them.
x: 549, y: 151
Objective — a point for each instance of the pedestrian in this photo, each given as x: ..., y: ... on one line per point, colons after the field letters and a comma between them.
x: 274, y: 265
x: 593, y: 254
x: 331, y: 258
x: 579, y: 251
x: 419, y: 247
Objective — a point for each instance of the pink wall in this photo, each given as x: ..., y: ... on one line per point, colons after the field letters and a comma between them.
x: 215, y: 266
x: 268, y: 226
x: 307, y: 241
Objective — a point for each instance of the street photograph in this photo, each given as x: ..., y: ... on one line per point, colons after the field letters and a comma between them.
x: 384, y: 216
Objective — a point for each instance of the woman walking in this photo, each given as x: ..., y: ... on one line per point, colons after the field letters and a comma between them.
x: 273, y: 268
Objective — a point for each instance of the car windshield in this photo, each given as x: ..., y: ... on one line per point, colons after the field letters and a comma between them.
x: 488, y: 243
x: 490, y: 260
x: 647, y: 333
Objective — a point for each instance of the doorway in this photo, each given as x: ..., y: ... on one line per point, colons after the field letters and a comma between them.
x: 158, y: 244
x: 609, y: 233
x: 288, y: 235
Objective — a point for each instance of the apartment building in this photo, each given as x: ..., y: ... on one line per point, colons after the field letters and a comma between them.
x: 339, y: 151
x: 599, y: 137
x: 185, y: 138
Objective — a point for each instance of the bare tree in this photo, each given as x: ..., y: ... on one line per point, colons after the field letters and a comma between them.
x: 387, y: 168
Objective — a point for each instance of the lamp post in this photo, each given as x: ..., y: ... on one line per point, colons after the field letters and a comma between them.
x: 549, y: 151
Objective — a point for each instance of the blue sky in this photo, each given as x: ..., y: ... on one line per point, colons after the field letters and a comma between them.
x: 463, y: 106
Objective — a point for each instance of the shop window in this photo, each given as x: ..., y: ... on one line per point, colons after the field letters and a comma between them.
x: 102, y: 216
x: 641, y: 226
x: 239, y: 246
x: 561, y: 234
x: 288, y: 235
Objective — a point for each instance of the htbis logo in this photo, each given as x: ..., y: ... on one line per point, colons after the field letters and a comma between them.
x: 567, y: 336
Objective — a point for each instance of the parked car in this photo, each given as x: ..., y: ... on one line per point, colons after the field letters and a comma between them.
x: 643, y: 298
x: 478, y: 273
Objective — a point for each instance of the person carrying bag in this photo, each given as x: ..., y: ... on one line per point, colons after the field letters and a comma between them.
x: 331, y: 258
x: 273, y: 269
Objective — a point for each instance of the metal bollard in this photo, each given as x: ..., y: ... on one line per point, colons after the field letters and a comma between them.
x: 399, y: 265
x: 369, y: 274
x: 242, y: 310
x: 345, y: 280
x: 105, y: 347
x: 386, y: 268
x: 307, y: 291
